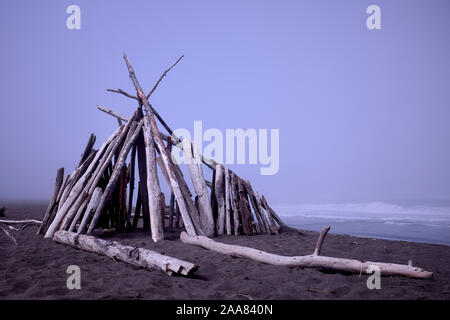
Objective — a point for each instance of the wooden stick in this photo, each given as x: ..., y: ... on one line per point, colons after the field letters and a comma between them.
x: 143, y: 182
x: 113, y: 113
x: 275, y: 216
x: 227, y: 202
x: 162, y: 76
x: 308, y: 261
x: 198, y: 181
x: 163, y: 152
x: 106, y: 197
x: 261, y: 211
x: 269, y: 214
x: 132, y: 255
x: 154, y: 190
x: 244, y: 208
x: 219, y: 191
x: 20, y: 221
x: 91, y: 208
x: 55, y: 208
x: 186, y: 193
x: 235, y: 201
x: 320, y: 241
x: 87, y: 149
x: 58, y: 184
x: 251, y: 195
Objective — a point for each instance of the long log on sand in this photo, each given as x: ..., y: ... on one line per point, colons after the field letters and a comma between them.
x: 58, y: 184
x: 308, y: 261
x: 136, y: 256
x: 163, y: 152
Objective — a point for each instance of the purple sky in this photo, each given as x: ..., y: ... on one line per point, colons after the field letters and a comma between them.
x: 363, y: 115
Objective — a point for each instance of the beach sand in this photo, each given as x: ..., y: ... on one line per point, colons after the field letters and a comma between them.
x: 36, y: 268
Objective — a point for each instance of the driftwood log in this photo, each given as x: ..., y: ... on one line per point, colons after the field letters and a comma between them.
x: 198, y: 181
x: 220, y: 192
x: 136, y: 256
x: 51, y: 206
x: 308, y: 261
x: 153, y: 187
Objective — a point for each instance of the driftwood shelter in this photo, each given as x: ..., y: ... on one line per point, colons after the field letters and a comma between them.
x: 100, y: 193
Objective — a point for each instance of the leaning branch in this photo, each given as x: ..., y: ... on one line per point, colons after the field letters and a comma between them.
x: 162, y: 76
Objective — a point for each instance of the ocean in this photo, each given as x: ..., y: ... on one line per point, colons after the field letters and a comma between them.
x: 406, y: 220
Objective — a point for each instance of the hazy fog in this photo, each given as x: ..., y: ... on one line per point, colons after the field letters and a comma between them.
x: 363, y: 114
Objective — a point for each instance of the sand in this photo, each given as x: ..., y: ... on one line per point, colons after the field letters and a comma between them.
x: 36, y: 268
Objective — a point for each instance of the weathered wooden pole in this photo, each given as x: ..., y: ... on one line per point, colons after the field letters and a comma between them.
x: 219, y: 191
x: 153, y: 187
x: 198, y: 181
x: 261, y: 211
x: 51, y: 205
x: 106, y: 197
x: 235, y: 201
x: 269, y: 214
x: 87, y: 149
x: 92, y: 206
x: 142, y: 167
x: 227, y: 202
x: 163, y: 152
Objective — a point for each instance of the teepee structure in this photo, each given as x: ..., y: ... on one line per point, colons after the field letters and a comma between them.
x: 99, y: 195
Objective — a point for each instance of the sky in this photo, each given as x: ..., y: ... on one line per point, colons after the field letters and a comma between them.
x: 362, y: 114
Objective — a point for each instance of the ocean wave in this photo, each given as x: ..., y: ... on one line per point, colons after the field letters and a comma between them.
x: 371, y: 211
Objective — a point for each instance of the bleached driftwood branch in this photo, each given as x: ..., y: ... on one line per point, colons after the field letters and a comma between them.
x: 21, y: 221
x: 162, y: 76
x: 308, y: 261
x: 9, y: 235
x: 136, y: 256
